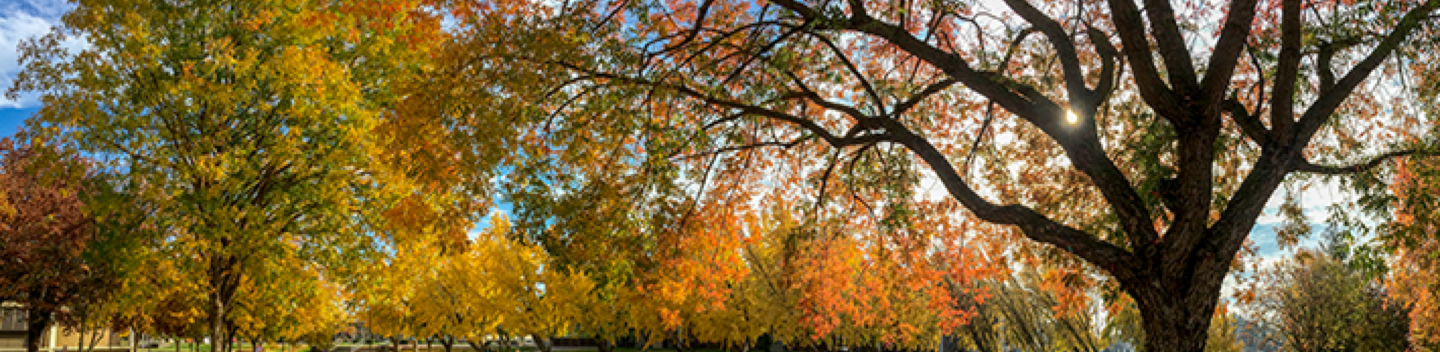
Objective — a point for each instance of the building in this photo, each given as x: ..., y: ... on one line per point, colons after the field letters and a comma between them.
x: 12, y: 335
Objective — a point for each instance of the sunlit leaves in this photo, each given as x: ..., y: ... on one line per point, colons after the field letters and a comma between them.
x: 242, y: 136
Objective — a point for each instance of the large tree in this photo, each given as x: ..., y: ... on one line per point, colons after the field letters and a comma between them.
x: 242, y: 128
x: 1143, y: 139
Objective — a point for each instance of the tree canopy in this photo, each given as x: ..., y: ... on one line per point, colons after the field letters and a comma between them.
x: 825, y: 173
x: 1142, y: 140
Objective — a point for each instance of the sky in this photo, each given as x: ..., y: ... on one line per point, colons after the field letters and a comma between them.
x: 20, y: 19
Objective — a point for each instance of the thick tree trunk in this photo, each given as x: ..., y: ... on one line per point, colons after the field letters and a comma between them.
x: 541, y: 343
x: 36, y: 322
x: 1177, y: 316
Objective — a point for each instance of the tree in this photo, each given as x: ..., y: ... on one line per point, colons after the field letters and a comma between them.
x: 1025, y: 313
x: 1320, y: 302
x: 46, y: 234
x: 1414, y: 268
x: 1142, y: 140
x: 242, y: 127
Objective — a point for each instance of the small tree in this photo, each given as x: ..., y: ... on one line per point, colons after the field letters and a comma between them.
x: 1321, y: 303
x: 44, y: 233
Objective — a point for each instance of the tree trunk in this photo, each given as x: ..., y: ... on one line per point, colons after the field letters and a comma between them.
x: 217, y: 325
x: 476, y: 347
x: 541, y: 343
x: 446, y: 342
x: 603, y: 344
x: 224, y: 275
x: 230, y: 335
x: 1177, y: 316
x: 36, y: 322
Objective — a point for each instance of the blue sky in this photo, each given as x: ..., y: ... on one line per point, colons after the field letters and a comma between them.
x: 12, y: 118
x: 21, y: 19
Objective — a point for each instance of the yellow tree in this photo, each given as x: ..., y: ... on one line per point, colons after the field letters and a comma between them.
x: 242, y: 126
x: 542, y: 299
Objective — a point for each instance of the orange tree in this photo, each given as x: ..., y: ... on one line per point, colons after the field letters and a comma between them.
x: 1415, y: 265
x: 1144, y: 140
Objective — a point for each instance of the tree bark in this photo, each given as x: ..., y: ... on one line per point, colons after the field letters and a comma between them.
x: 1176, y: 309
x: 36, y: 322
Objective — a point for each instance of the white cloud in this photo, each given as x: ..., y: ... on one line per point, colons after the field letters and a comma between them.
x: 18, y: 21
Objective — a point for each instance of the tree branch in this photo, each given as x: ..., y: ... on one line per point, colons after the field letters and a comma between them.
x: 1034, y: 225
x: 914, y: 100
x: 736, y: 148
x: 1330, y: 100
x: 1080, y: 143
x: 1107, y: 70
x: 1287, y: 73
x: 1308, y: 167
x: 1228, y: 49
x: 1249, y: 123
x: 1171, y: 44
x: 1323, y: 61
x: 1064, y: 48
x: 1136, y: 47
x: 854, y: 70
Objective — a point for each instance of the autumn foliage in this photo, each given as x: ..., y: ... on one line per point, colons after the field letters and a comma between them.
x: 865, y: 175
x: 46, y: 261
